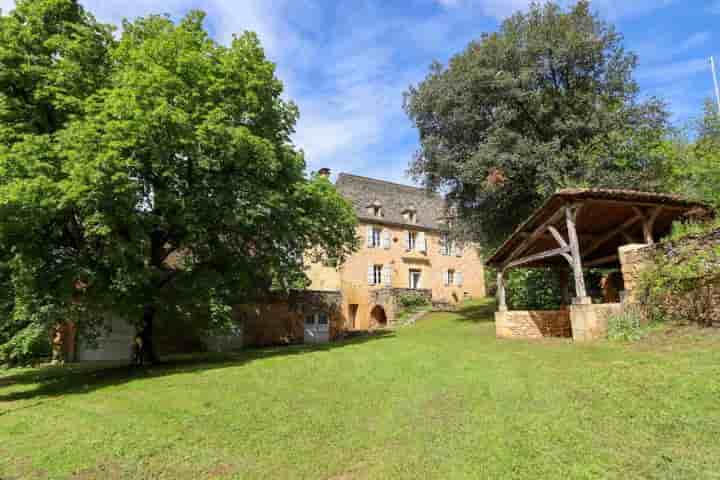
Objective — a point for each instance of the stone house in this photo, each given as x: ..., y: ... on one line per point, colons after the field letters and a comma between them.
x: 405, y: 246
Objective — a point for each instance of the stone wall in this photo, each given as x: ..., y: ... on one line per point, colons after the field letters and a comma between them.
x: 280, y: 320
x: 532, y: 324
x: 702, y: 302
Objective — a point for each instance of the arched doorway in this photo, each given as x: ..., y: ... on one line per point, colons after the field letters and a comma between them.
x: 379, y: 319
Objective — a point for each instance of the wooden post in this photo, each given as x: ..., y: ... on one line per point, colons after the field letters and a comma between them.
x: 502, y: 306
x: 570, y: 218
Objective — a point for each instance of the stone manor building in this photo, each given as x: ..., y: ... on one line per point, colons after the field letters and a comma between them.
x: 405, y: 247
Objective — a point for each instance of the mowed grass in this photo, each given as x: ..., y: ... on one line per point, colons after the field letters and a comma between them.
x: 441, y: 399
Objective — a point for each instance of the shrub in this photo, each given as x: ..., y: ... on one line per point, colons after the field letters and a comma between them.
x: 412, y: 300
x: 26, y: 345
x: 679, y: 288
x: 533, y: 289
x: 625, y: 327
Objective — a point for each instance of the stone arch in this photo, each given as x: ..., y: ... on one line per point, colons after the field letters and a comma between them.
x: 378, y: 316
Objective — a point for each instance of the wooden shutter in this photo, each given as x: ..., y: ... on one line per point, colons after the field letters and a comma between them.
x: 387, y: 275
x: 386, y: 239
x: 371, y: 274
x: 369, y: 236
x: 459, y: 279
x: 421, y: 241
x: 446, y: 278
x: 407, y: 241
x: 458, y: 250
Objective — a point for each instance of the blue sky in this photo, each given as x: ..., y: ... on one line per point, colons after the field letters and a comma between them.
x: 347, y: 63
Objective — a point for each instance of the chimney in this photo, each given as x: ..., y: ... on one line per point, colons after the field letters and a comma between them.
x: 324, y: 172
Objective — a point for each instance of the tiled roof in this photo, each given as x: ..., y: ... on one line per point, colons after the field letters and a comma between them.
x: 394, y: 199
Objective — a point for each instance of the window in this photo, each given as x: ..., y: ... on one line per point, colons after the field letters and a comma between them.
x: 411, y: 240
x: 375, y: 237
x: 445, y: 244
x: 412, y: 217
x: 377, y: 274
x: 377, y: 211
x: 322, y: 319
x: 414, y: 280
x: 310, y: 320
x: 451, y: 277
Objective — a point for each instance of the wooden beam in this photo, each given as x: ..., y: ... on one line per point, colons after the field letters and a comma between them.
x: 561, y: 241
x: 602, y: 261
x: 571, y: 218
x: 630, y: 203
x: 538, y: 256
x: 648, y: 222
x: 502, y: 305
x: 600, y: 241
x: 534, y: 235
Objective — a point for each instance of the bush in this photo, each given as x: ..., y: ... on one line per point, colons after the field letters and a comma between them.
x: 28, y: 344
x: 412, y: 300
x: 533, y: 289
x: 625, y: 327
x: 680, y: 288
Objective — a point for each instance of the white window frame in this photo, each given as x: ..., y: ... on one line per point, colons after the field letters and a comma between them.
x: 375, y: 237
x: 412, y: 238
x: 411, y: 274
x: 377, y: 274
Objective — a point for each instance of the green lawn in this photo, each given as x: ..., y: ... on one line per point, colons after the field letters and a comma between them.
x: 441, y: 399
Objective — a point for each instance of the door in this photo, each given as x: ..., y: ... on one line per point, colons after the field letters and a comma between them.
x: 415, y: 279
x: 353, y: 315
x: 317, y: 328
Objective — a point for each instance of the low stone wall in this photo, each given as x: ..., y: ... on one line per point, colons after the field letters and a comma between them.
x: 702, y: 302
x: 387, y: 298
x: 590, y: 322
x: 280, y: 320
x: 532, y: 324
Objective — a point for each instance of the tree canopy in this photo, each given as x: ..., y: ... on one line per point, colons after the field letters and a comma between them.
x: 546, y: 102
x: 152, y: 175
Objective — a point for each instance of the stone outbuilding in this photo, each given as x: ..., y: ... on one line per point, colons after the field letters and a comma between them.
x: 573, y: 231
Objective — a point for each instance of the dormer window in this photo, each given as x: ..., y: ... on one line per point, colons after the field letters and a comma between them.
x: 375, y: 209
x: 410, y: 215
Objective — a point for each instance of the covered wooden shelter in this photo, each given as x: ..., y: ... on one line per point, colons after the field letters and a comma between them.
x: 577, y: 229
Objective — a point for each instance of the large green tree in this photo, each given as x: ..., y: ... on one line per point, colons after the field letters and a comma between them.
x: 548, y: 101
x: 172, y: 189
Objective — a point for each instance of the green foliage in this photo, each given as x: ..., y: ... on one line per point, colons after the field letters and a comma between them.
x: 693, y: 159
x: 547, y: 102
x: 682, y: 230
x: 532, y: 289
x: 625, y: 327
x: 412, y: 300
x: 154, y: 173
x: 28, y: 344
x: 679, y: 288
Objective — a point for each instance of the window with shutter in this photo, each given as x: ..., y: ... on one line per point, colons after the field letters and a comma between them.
x: 445, y: 278
x: 458, y: 250
x: 369, y: 237
x: 422, y: 245
x: 387, y: 276
x: 444, y: 244
x: 459, y: 279
x: 386, y: 239
x: 377, y: 274
x: 371, y: 275
x: 450, y: 277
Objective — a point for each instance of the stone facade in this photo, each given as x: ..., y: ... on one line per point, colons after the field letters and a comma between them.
x: 532, y: 324
x: 280, y: 320
x: 396, y: 212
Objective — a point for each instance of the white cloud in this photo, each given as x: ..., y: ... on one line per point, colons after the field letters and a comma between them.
x: 6, y: 6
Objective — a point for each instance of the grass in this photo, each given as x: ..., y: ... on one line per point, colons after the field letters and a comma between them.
x: 443, y: 399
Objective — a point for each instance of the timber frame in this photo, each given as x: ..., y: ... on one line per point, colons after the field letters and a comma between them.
x: 583, y: 228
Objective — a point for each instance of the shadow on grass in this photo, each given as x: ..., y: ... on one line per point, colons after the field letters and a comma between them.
x: 477, y: 312
x: 82, y: 378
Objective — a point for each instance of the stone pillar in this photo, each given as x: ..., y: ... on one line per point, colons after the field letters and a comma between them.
x: 502, y: 305
x: 633, y: 260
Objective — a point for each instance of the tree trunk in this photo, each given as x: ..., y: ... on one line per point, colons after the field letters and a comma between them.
x: 147, y: 350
